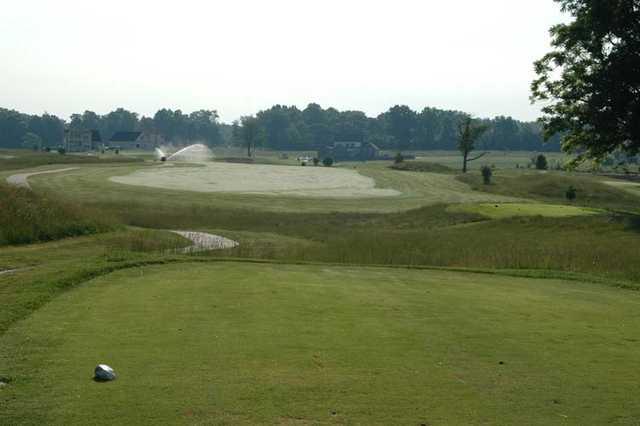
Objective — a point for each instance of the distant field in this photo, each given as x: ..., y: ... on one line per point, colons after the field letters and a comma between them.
x: 499, y: 159
x: 235, y: 343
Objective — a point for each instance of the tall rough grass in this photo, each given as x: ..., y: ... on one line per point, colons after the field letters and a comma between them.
x: 28, y: 217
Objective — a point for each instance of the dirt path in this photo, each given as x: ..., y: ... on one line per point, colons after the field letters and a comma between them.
x: 204, y: 242
x: 21, y: 179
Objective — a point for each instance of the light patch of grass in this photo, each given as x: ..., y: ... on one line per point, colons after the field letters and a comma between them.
x: 263, y: 344
x: 506, y: 210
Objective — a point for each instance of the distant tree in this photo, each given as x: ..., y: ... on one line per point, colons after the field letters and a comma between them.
x: 541, y: 162
x: 398, y: 158
x: 571, y: 193
x: 468, y: 133
x: 62, y: 151
x: 590, y: 81
x: 250, y: 133
x: 402, y: 123
x: 327, y: 162
x: 316, y: 161
x: 31, y: 140
x: 486, y: 174
x: 236, y: 133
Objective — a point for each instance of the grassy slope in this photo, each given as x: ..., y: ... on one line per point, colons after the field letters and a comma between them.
x: 551, y: 187
x: 258, y: 344
x: 27, y: 217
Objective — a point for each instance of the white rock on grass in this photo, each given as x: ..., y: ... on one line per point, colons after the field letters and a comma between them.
x: 104, y: 373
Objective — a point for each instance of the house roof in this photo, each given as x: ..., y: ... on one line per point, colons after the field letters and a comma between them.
x: 125, y: 136
x: 351, y: 143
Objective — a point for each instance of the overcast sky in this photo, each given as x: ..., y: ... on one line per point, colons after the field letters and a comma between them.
x: 240, y: 56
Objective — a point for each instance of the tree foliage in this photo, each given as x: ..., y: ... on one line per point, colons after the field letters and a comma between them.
x: 590, y: 81
x: 286, y: 128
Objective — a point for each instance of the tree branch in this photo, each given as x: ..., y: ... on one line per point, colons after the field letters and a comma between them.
x: 478, y: 157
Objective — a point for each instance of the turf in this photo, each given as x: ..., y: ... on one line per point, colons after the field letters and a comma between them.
x: 271, y: 344
x: 506, y: 210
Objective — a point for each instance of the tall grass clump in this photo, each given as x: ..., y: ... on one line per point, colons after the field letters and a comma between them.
x: 29, y: 217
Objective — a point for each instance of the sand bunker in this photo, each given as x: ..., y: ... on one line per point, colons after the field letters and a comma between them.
x: 260, y: 179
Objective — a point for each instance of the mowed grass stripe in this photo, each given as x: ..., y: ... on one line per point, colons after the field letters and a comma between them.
x: 270, y: 344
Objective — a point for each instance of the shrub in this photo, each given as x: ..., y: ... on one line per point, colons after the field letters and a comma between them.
x: 571, y: 193
x: 541, y: 162
x: 316, y: 161
x: 421, y: 166
x: 328, y: 162
x: 398, y: 158
x: 62, y: 151
x: 486, y: 174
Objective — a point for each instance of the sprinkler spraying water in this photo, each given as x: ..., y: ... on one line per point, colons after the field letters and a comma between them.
x: 161, y: 155
x: 195, y: 153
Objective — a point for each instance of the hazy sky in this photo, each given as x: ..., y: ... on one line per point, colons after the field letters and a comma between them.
x: 239, y: 56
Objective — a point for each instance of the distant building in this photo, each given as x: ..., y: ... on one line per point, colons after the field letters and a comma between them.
x: 79, y: 140
x: 136, y: 140
x: 351, y: 151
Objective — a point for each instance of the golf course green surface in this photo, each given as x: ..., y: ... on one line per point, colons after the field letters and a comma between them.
x: 250, y: 343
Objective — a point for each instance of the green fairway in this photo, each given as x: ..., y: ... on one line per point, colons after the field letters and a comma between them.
x: 505, y: 210
x: 238, y: 343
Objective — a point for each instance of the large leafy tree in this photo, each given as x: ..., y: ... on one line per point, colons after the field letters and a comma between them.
x: 590, y: 81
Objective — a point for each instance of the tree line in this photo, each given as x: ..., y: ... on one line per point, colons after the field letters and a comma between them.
x: 286, y: 128
x: 400, y: 128
x: 18, y: 129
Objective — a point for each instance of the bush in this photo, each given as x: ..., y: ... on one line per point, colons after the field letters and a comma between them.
x: 486, y: 174
x: 541, y: 162
x: 316, y: 161
x: 398, y: 158
x: 328, y: 162
x: 421, y: 166
x: 62, y: 151
x: 571, y: 193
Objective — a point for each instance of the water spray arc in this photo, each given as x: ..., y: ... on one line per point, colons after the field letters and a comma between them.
x: 195, y: 152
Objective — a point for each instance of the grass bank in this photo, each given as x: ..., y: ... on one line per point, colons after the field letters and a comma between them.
x: 28, y: 217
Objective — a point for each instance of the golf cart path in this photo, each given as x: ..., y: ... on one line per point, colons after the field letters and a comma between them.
x: 21, y: 179
x: 204, y: 242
